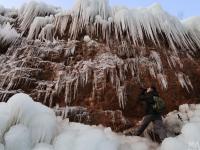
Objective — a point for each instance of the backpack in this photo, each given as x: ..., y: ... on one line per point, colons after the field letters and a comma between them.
x: 159, y: 105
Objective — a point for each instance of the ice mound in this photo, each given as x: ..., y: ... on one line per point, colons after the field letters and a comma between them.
x: 186, y: 123
x: 28, y: 125
x: 81, y: 137
x: 25, y: 123
x: 18, y: 137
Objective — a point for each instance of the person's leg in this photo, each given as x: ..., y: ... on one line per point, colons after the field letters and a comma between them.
x: 159, y: 128
x: 147, y: 119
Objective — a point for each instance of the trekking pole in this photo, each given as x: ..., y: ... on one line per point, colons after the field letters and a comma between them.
x: 179, y: 117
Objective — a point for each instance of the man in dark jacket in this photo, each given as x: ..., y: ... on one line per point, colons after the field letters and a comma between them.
x: 147, y: 97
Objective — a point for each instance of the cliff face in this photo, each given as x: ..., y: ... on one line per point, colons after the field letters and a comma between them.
x: 94, y: 76
x: 71, y: 60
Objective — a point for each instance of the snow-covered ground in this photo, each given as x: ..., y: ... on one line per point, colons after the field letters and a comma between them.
x: 28, y: 125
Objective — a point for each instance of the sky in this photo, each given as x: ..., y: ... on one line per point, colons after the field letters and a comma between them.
x: 180, y: 8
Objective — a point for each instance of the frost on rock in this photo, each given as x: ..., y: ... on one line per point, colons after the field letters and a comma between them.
x: 53, y: 71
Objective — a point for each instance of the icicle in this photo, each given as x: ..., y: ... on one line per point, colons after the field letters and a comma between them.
x: 32, y: 10
x: 184, y: 81
x: 162, y: 80
x: 47, y: 33
x: 156, y: 57
x: 8, y: 34
x: 37, y: 26
x: 121, y: 92
x: 62, y: 20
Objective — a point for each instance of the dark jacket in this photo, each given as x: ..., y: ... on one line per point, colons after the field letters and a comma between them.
x: 148, y: 101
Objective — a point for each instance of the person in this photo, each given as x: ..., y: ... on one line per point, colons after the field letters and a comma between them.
x: 147, y: 96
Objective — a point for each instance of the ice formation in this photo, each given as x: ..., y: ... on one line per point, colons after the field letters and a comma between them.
x: 186, y: 123
x: 104, y: 68
x: 31, y: 126
x: 28, y: 125
x: 193, y: 24
x: 38, y: 24
x: 8, y: 34
x: 47, y: 33
x: 134, y: 25
x: 32, y: 10
x: 98, y: 18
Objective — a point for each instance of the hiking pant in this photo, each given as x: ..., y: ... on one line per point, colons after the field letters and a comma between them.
x: 159, y: 128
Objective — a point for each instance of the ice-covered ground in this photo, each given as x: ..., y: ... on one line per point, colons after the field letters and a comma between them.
x: 28, y: 125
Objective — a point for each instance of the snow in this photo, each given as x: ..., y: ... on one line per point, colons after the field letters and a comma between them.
x: 37, y: 128
x: 99, y: 138
x: 186, y: 123
x: 43, y: 146
x: 18, y: 138
x: 173, y: 144
x: 2, y: 147
x: 28, y: 125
